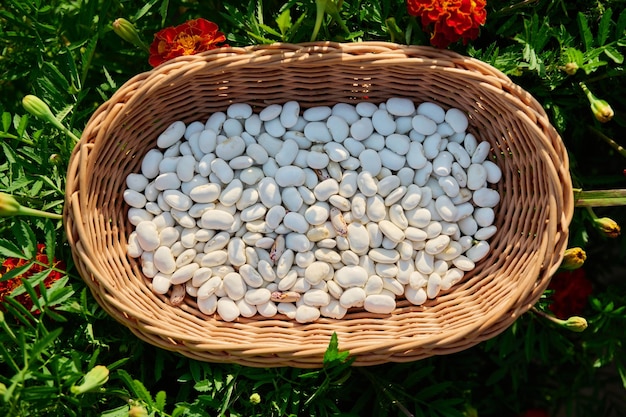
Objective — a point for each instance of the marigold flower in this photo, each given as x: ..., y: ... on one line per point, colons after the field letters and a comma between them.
x: 571, y: 291
x: 449, y: 20
x: 192, y: 37
x: 41, y: 264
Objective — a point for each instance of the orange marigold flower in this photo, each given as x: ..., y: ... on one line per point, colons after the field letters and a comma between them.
x: 193, y: 36
x: 40, y: 264
x: 449, y: 20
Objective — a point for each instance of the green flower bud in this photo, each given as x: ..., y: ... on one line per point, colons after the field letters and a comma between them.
x: 607, y: 226
x: 573, y: 258
x: 127, y: 31
x: 93, y: 379
x: 255, y: 398
x: 35, y: 106
x: 600, y: 108
x: 575, y: 324
x: 9, y: 205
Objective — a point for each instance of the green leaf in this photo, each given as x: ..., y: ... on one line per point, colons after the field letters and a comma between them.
x: 159, y: 401
x: 575, y: 55
x: 269, y: 30
x: 9, y: 153
x: 26, y: 237
x: 604, y: 26
x: 10, y: 250
x: 332, y: 352
x: 614, y: 54
x: 284, y: 21
x: 6, y: 121
x: 56, y: 77
x: 163, y: 11
x: 121, y: 411
x: 15, y: 272
x: 44, y: 341
x: 141, y: 392
x: 620, y: 27
x: 22, y: 123
x: 143, y: 10
x: 50, y: 240
x: 585, y: 32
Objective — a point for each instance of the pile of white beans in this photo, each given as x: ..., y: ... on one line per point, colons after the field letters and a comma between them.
x: 311, y: 213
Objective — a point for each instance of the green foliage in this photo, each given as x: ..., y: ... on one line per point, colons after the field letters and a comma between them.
x: 66, y: 53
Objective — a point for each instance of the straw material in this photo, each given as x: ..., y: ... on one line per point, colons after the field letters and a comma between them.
x: 532, y: 218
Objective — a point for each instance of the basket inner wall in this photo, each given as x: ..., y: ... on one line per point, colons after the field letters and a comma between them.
x: 518, y: 249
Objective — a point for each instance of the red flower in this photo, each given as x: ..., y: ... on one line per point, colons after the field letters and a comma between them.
x: 449, y: 20
x: 40, y: 264
x: 193, y: 36
x: 571, y: 291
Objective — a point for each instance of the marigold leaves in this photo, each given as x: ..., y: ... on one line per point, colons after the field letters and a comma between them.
x: 49, y: 238
x: 6, y: 121
x: 9, y: 153
x: 620, y: 27
x: 9, y: 249
x: 26, y: 238
x: 146, y: 8
x: 15, y: 272
x: 136, y: 387
x: 585, y: 31
x: 332, y: 353
x: 284, y: 21
x: 159, y: 400
x: 613, y: 54
x: 43, y: 342
x: 604, y: 26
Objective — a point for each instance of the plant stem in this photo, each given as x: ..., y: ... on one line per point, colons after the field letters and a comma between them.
x: 619, y: 148
x: 27, y: 211
x: 600, y: 198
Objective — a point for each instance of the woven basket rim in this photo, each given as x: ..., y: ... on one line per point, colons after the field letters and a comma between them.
x: 83, y: 218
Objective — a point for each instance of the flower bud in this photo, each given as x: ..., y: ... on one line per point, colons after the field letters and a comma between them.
x: 607, y: 226
x: 255, y: 398
x: 127, y: 31
x: 575, y: 324
x: 35, y: 106
x: 9, y: 205
x: 573, y: 258
x: 93, y: 379
x: 600, y: 108
x: 570, y: 68
x: 137, y: 411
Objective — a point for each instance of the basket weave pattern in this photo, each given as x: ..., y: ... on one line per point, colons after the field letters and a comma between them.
x: 532, y: 218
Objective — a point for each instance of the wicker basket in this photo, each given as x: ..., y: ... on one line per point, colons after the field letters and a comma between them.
x: 532, y: 218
